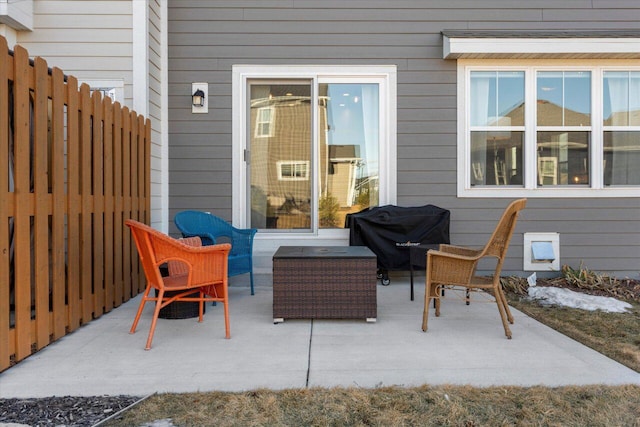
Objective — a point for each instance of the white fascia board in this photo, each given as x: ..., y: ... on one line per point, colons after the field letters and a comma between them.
x: 17, y: 14
x: 461, y: 47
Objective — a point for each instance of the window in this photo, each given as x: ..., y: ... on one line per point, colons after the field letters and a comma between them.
x: 114, y: 89
x: 621, y: 127
x: 563, y: 127
x: 264, y: 120
x: 311, y: 145
x: 292, y: 170
x: 551, y: 129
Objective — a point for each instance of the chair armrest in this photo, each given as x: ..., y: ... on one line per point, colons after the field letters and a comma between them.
x: 248, y: 231
x: 460, y: 250
x: 204, y: 265
x: 450, y: 268
x: 242, y: 241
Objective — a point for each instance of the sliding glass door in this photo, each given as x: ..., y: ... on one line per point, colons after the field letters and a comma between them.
x: 313, y: 151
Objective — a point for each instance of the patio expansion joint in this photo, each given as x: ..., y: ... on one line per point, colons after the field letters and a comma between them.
x: 306, y: 384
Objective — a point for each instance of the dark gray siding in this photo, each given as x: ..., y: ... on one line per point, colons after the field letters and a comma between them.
x: 207, y: 37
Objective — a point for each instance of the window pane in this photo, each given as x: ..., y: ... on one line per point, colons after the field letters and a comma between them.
x: 349, y: 150
x: 563, y: 158
x: 280, y: 147
x: 497, y: 98
x: 621, y: 158
x: 634, y: 98
x: 496, y: 158
x: 621, y: 95
x: 564, y: 98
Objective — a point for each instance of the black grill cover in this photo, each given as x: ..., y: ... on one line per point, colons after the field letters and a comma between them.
x: 389, y: 231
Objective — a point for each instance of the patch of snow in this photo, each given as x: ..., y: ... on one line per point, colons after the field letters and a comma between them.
x: 165, y: 422
x: 569, y: 298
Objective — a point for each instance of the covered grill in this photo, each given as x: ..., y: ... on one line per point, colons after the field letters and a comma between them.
x: 390, y: 231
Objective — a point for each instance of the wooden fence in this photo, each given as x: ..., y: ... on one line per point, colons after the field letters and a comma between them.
x: 73, y: 167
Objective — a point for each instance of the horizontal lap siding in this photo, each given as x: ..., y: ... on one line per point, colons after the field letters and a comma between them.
x: 206, y: 38
x: 89, y: 39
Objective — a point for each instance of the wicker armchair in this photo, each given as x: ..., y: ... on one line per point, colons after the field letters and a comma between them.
x: 212, y: 229
x: 454, y: 266
x: 191, y: 269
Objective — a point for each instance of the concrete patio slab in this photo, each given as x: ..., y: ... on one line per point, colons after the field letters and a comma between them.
x: 466, y: 345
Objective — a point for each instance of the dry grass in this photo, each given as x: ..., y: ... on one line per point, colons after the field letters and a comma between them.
x: 394, y: 406
x: 616, y: 335
x: 613, y: 334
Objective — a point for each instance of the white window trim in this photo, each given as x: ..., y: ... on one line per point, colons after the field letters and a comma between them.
x: 597, y: 189
x: 388, y: 168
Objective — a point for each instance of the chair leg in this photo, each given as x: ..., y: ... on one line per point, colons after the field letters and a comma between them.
x: 430, y: 294
x: 425, y: 312
x: 503, y: 315
x: 506, y: 306
x: 201, y: 305
x: 227, y: 330
x: 251, y: 280
x: 156, y: 313
x: 140, y: 308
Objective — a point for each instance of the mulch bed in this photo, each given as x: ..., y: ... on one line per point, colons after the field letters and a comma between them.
x: 63, y: 411
x: 584, y: 281
x: 627, y: 289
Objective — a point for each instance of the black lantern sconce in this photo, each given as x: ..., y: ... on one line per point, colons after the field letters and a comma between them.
x: 199, y: 102
x: 197, y: 99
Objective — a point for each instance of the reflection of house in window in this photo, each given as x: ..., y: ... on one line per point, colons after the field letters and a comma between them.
x: 344, y: 161
x: 291, y: 170
x: 547, y: 170
x: 264, y: 122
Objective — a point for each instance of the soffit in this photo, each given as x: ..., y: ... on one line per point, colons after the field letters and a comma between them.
x: 622, y: 44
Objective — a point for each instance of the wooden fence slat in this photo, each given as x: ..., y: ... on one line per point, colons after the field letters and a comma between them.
x: 86, y: 291
x: 118, y: 225
x: 57, y: 169
x: 41, y: 192
x: 74, y: 204
x: 127, y: 248
x: 5, y: 302
x: 135, y: 213
x: 107, y: 109
x: 98, y: 205
x: 22, y: 219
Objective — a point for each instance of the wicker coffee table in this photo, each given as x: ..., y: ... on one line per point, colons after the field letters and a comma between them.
x: 324, y: 282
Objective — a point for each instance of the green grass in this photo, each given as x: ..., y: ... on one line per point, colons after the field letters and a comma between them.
x: 617, y: 335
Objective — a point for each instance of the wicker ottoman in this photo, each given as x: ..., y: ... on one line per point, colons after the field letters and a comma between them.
x: 324, y: 282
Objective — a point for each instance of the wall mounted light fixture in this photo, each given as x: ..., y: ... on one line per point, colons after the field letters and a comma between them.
x: 199, y: 101
x: 198, y: 98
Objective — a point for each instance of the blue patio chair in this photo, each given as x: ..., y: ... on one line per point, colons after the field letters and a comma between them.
x: 214, y: 230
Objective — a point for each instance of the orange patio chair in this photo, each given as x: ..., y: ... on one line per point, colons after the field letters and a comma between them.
x: 455, y: 266
x: 191, y: 269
